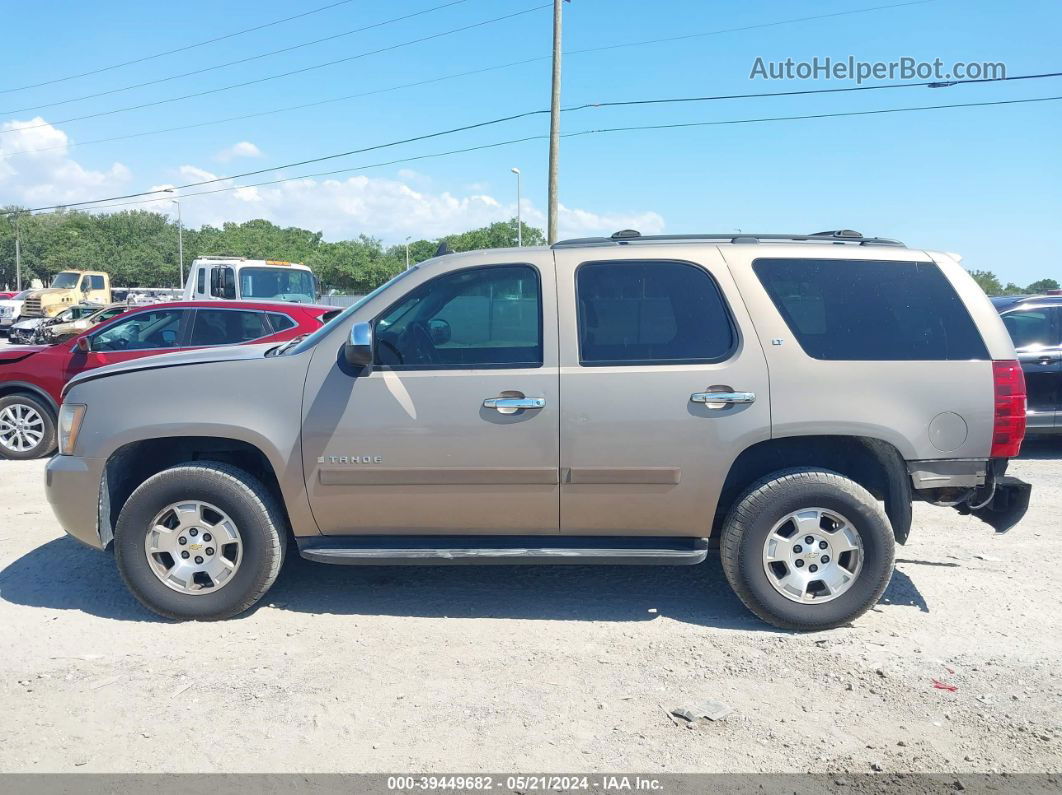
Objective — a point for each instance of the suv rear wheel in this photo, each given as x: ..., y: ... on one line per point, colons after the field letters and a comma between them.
x: 199, y: 541
x: 27, y: 428
x: 808, y: 549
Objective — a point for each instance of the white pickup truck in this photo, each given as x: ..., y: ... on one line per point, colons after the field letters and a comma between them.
x: 242, y: 279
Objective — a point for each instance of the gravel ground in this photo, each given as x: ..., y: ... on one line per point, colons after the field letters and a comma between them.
x: 536, y: 669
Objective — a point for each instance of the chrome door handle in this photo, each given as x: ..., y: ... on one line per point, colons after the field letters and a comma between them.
x: 510, y: 405
x: 722, y: 399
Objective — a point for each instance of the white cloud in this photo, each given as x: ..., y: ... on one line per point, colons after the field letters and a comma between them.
x: 390, y: 209
x: 385, y: 207
x: 242, y: 149
x: 42, y: 172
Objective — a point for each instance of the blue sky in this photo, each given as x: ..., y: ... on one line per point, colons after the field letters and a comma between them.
x: 984, y: 182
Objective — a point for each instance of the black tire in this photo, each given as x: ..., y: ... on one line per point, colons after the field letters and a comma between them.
x: 46, y: 446
x: 234, y: 491
x: 766, y: 503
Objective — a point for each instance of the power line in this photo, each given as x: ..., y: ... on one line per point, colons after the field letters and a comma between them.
x: 248, y: 59
x: 301, y: 70
x: 496, y: 144
x: 584, y: 106
x: 185, y: 48
x: 566, y: 53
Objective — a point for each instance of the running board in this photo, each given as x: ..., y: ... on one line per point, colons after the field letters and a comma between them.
x: 504, y: 550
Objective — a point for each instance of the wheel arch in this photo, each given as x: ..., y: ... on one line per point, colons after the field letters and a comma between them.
x: 134, y: 462
x: 872, y: 463
x: 25, y: 388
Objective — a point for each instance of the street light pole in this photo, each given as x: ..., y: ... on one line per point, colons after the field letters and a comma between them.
x: 407, y: 252
x: 180, y: 242
x: 18, y: 258
x: 554, y: 125
x: 519, y: 224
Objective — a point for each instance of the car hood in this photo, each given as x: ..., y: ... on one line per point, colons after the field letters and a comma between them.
x: 16, y: 353
x: 11, y: 302
x: 227, y: 353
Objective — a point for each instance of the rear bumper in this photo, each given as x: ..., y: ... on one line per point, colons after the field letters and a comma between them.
x: 72, y: 485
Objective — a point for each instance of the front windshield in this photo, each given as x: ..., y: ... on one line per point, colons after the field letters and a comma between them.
x: 339, y: 319
x: 66, y: 280
x: 277, y: 284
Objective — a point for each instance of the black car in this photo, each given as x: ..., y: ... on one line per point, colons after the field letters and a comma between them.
x: 1035, y: 325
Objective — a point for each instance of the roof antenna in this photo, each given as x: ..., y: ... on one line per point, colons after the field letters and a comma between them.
x: 443, y: 249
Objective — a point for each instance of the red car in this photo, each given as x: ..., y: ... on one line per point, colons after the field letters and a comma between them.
x: 7, y: 295
x: 32, y: 377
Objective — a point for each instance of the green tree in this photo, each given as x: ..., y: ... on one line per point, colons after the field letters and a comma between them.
x: 988, y: 282
x: 1042, y: 286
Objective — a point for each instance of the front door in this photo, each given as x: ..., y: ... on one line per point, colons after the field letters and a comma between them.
x: 430, y: 441
x: 663, y: 384
x: 1036, y: 331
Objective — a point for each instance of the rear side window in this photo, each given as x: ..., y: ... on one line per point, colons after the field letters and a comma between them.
x: 281, y: 322
x: 635, y: 312
x: 96, y: 283
x: 871, y: 310
x: 227, y: 327
x: 1033, y: 328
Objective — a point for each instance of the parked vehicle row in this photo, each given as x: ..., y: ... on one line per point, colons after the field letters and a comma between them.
x: 608, y: 400
x: 32, y: 377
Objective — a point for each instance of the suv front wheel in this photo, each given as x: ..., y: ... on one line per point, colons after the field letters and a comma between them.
x: 808, y: 549
x: 200, y: 541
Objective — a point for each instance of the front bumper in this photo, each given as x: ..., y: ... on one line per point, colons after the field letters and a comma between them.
x: 73, y: 488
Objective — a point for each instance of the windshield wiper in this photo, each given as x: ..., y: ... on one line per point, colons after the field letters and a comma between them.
x: 284, y: 346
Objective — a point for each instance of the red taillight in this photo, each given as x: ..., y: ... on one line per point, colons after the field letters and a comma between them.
x: 1008, y: 428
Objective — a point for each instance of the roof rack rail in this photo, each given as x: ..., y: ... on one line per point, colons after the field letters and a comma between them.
x: 628, y: 236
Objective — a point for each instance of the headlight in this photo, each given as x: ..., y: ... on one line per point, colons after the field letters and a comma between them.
x: 70, y: 416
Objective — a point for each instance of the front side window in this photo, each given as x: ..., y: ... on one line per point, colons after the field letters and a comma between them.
x: 871, y: 310
x: 159, y: 328
x: 634, y: 312
x: 278, y: 284
x: 1033, y: 328
x: 479, y: 317
x: 227, y: 327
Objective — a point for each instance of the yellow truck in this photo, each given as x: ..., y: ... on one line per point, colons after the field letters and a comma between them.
x: 68, y: 288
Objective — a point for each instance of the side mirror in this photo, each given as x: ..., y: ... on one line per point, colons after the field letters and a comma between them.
x: 84, y: 344
x: 358, y: 349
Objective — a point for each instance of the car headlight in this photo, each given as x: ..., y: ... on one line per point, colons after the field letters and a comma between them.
x: 70, y: 417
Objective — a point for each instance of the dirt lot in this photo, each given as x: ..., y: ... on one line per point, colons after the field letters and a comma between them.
x: 536, y: 669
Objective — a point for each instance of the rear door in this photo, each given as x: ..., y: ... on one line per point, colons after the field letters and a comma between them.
x: 1036, y: 332
x: 645, y: 343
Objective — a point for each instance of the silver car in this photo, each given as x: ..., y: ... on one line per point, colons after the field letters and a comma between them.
x: 619, y: 400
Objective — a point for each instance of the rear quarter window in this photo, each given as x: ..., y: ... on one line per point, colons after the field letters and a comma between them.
x: 871, y: 310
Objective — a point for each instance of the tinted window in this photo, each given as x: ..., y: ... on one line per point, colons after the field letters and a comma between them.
x: 159, y: 328
x: 96, y: 282
x: 281, y: 322
x: 200, y: 281
x: 481, y: 317
x: 227, y: 327
x: 650, y: 312
x: 1032, y: 328
x: 871, y: 310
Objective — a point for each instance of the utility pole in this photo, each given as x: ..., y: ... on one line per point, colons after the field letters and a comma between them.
x: 554, y: 125
x: 180, y: 243
x: 407, y: 252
